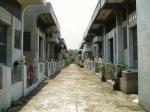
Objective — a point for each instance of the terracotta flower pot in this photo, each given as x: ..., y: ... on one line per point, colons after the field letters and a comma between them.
x: 103, y: 79
x: 116, y: 85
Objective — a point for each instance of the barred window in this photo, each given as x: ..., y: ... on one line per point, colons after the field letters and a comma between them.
x: 3, y: 44
x: 17, y: 39
x: 27, y: 41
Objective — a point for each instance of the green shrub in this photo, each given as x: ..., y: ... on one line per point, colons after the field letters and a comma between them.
x: 103, y: 68
x: 119, y: 69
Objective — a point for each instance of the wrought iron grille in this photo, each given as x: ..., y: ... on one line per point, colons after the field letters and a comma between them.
x: 31, y: 75
x: 12, y: 6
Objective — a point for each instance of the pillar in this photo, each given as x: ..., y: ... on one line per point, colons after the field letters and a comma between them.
x: 104, y: 45
x: 143, y: 15
x: 119, y: 40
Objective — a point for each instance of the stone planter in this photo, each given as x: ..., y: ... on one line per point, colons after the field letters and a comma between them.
x: 129, y: 82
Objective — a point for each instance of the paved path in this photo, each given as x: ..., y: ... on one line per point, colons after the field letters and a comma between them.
x: 77, y: 90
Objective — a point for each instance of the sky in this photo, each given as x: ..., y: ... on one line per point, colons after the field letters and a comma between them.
x: 73, y: 17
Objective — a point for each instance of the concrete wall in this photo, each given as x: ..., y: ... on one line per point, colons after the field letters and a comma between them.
x: 16, y: 53
x: 10, y: 92
x: 16, y: 91
x: 143, y: 15
x: 5, y: 92
x: 41, y: 72
x: 13, y: 23
x: 31, y: 26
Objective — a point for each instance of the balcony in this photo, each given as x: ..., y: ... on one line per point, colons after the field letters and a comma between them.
x: 103, y: 2
x: 87, y: 48
x: 97, y: 39
x: 26, y: 3
x: 53, y: 40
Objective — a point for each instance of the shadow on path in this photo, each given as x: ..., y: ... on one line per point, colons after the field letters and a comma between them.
x: 54, y: 75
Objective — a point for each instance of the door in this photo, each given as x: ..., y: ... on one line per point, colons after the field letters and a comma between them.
x: 135, y: 47
x: 40, y: 49
x: 111, y: 50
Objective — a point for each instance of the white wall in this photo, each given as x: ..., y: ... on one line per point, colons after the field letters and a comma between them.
x: 16, y: 91
x: 5, y: 92
x: 143, y: 15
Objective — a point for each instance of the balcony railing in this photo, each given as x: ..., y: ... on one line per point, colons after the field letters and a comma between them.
x: 53, y: 40
x: 97, y: 39
x: 87, y: 48
x: 54, y: 66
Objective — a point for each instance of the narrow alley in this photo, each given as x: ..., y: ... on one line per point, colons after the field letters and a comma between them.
x: 77, y: 90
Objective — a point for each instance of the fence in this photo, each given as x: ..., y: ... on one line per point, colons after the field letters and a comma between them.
x: 89, y: 64
x: 54, y: 66
x: 31, y: 74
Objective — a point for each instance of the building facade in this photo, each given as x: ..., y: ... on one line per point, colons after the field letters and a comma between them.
x: 25, y: 29
x: 123, y: 44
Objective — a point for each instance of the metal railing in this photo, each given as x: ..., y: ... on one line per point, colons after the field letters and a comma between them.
x: 89, y: 64
x: 31, y: 74
x: 55, y: 66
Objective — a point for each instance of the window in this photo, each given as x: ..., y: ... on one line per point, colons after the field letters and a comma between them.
x: 17, y: 39
x: 125, y: 37
x: 27, y: 41
x: 3, y: 44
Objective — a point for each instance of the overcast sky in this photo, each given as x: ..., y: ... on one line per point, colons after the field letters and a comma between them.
x: 73, y: 17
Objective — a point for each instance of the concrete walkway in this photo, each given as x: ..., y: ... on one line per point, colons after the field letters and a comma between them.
x: 77, y: 90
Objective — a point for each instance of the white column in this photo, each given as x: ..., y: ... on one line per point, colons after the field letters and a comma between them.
x: 119, y: 40
x: 143, y: 17
x: 104, y: 45
x: 130, y: 47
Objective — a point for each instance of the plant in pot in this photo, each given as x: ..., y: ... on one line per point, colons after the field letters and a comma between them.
x: 103, y: 78
x: 118, y: 75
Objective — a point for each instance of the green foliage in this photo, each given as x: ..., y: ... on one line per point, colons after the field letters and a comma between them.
x: 110, y: 70
x: 119, y: 69
x: 98, y: 67
x: 103, y: 68
x: 77, y: 62
x: 114, y: 71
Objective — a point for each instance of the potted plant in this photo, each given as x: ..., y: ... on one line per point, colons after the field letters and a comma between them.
x: 103, y: 78
x: 118, y: 75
